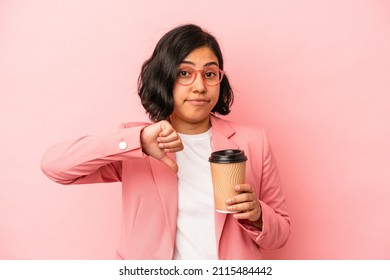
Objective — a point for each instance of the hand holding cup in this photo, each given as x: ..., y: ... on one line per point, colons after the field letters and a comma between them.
x: 246, y: 205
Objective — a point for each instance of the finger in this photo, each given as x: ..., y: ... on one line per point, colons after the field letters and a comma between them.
x: 242, y: 207
x: 166, y: 129
x: 170, y: 163
x: 169, y: 138
x: 250, y: 215
x: 173, y: 150
x: 243, y: 188
x: 243, y: 197
x: 171, y: 145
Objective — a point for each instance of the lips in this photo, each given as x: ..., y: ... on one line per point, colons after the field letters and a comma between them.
x: 198, y: 101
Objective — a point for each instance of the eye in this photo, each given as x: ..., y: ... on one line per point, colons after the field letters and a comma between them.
x: 183, y: 73
x: 210, y: 73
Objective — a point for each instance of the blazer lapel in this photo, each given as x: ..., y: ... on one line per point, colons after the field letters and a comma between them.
x: 166, y: 185
x: 221, y: 141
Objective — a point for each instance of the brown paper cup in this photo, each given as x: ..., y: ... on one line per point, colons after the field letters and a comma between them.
x: 227, y: 170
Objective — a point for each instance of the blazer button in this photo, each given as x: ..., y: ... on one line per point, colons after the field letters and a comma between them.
x: 122, y: 145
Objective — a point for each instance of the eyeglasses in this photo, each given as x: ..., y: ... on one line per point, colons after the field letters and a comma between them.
x: 212, y: 76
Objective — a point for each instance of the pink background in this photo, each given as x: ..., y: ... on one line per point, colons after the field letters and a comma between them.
x: 315, y: 74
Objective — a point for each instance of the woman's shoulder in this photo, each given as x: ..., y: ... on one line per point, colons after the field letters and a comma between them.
x: 238, y: 127
x: 242, y: 132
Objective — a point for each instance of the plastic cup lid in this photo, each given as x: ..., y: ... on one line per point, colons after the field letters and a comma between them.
x: 228, y: 156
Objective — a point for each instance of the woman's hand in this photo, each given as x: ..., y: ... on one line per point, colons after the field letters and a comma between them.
x: 247, y: 205
x: 161, y: 138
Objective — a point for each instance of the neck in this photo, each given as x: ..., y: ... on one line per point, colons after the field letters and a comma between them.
x: 190, y: 127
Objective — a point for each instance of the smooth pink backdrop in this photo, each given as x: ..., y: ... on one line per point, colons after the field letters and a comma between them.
x: 315, y: 74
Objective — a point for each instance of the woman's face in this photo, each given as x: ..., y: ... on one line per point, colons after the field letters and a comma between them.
x: 194, y: 102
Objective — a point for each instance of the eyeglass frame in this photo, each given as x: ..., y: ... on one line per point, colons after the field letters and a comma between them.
x: 202, y: 72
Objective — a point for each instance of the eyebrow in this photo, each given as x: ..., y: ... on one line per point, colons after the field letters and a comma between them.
x: 205, y: 65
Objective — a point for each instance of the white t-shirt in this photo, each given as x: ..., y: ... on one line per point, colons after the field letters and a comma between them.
x: 195, y: 234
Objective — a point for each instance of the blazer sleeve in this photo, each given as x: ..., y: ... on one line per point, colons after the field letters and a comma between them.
x: 276, y: 221
x: 93, y: 159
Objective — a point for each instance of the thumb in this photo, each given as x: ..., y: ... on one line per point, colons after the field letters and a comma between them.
x: 170, y: 162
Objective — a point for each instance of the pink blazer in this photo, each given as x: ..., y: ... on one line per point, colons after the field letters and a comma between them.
x: 150, y: 193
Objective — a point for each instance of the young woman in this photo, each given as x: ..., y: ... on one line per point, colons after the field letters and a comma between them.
x: 168, y: 209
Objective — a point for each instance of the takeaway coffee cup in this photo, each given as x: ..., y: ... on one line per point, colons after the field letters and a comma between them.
x: 227, y: 170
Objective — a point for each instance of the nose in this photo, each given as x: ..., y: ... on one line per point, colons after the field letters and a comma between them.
x: 199, y: 84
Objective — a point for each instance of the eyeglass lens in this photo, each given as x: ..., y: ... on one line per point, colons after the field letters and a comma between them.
x: 211, y: 76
